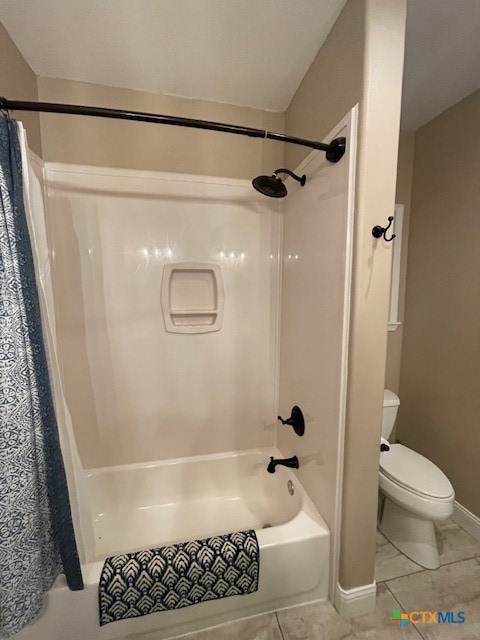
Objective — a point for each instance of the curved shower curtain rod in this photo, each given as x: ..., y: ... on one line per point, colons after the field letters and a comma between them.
x: 334, y: 150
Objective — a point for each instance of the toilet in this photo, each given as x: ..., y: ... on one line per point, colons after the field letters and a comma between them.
x: 416, y: 494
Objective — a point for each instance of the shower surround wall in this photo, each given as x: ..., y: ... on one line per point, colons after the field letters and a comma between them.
x: 134, y: 145
x: 136, y: 392
x: 316, y: 280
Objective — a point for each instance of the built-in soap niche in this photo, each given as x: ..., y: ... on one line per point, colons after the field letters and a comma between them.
x: 192, y: 297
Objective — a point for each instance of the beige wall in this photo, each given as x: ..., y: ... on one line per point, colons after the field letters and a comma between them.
x: 439, y: 385
x: 375, y: 196
x: 331, y: 86
x: 403, y: 196
x: 361, y: 61
x: 18, y: 82
x: 134, y: 145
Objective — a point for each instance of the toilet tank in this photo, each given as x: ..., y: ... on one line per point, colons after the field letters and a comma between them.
x: 391, y: 402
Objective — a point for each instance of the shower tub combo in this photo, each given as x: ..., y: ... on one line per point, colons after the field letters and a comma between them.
x: 108, y: 262
x: 143, y: 506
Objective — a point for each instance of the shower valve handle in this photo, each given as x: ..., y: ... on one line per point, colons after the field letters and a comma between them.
x: 296, y: 420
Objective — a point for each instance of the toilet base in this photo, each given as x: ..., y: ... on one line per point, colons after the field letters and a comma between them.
x: 412, y: 535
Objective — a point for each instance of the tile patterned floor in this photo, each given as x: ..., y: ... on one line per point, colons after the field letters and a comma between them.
x: 453, y: 542
x: 401, y: 584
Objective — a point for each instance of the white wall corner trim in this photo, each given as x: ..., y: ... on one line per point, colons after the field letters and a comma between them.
x: 357, y: 601
x: 467, y: 520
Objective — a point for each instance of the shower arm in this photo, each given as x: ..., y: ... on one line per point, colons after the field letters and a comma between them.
x: 334, y: 150
x: 300, y: 179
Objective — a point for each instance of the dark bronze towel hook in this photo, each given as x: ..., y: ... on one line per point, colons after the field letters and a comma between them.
x: 378, y: 231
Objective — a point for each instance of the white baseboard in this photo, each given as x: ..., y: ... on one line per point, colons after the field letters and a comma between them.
x: 357, y: 601
x: 467, y: 520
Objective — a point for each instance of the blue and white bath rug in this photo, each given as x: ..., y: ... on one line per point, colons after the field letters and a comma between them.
x: 177, y: 576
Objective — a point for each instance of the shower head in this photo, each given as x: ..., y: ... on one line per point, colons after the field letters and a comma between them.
x: 270, y: 186
x: 273, y: 186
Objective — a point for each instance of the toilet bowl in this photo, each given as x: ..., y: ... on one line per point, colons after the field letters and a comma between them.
x: 416, y: 494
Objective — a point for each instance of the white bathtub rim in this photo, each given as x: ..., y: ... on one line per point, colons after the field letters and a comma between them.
x: 307, y: 522
x: 263, y: 451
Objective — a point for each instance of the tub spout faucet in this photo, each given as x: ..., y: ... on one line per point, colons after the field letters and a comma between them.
x: 286, y: 462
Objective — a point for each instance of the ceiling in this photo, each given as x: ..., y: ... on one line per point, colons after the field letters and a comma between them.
x: 442, y: 57
x: 246, y: 52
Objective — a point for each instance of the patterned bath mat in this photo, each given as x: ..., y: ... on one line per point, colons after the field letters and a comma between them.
x: 177, y: 576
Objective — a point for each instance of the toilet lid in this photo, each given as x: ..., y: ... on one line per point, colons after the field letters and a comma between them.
x: 414, y: 472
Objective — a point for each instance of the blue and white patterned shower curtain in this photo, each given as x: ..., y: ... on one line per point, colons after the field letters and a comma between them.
x: 37, y: 540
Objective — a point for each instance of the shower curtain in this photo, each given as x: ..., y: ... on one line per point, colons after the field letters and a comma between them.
x: 33, y: 181
x: 37, y: 540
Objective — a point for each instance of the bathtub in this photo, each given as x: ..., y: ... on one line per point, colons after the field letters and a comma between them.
x: 147, y: 505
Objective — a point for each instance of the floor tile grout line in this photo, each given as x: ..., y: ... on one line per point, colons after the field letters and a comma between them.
x: 422, y: 637
x: 279, y: 625
x: 394, y: 596
x: 423, y: 570
x: 402, y: 575
x: 445, y: 564
x: 448, y: 564
x: 401, y: 606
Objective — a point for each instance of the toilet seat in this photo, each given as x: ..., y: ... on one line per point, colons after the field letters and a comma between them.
x: 415, y: 473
